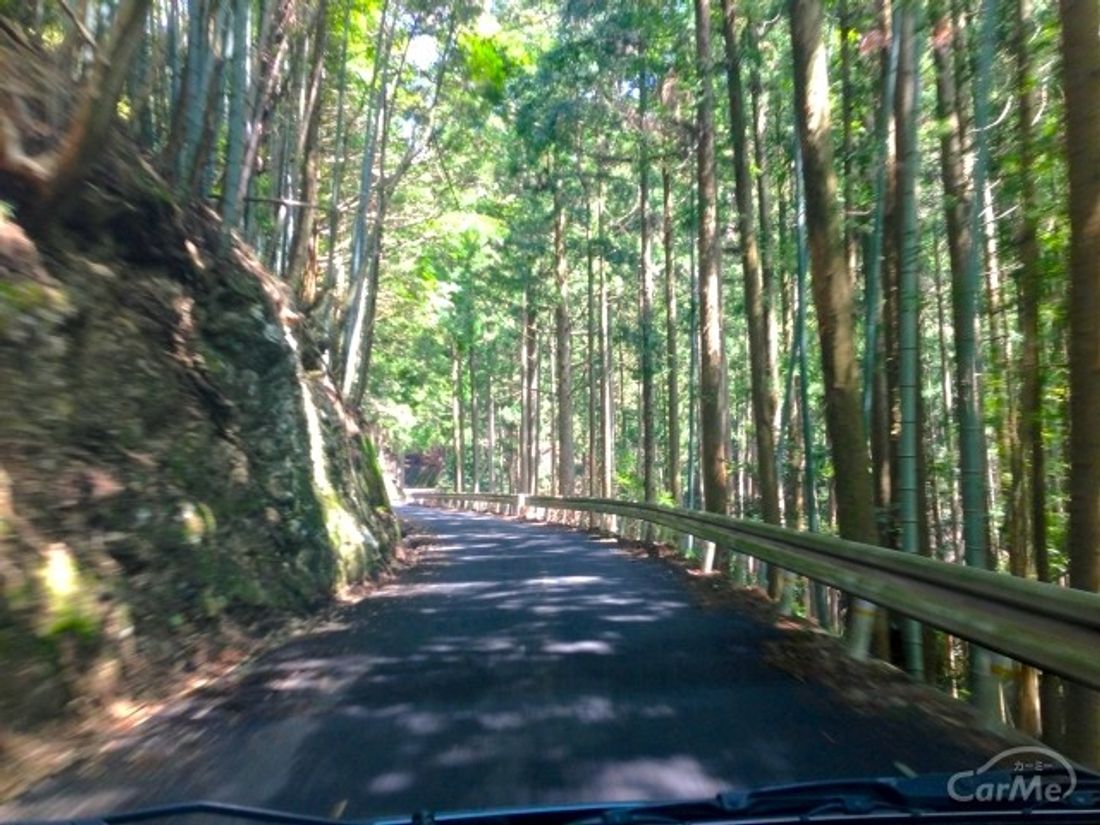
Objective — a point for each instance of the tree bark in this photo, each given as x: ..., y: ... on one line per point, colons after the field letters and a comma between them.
x: 238, y: 90
x: 188, y: 88
x: 832, y: 294
x: 671, y: 359
x: 607, y: 394
x: 366, y: 261
x: 847, y: 149
x: 590, y: 348
x: 273, y: 54
x: 564, y: 365
x: 492, y: 435
x: 208, y: 114
x: 649, y: 424
x: 1030, y: 420
x: 1080, y: 74
x: 712, y: 360
x: 335, y: 281
x: 475, y: 479
x: 962, y: 227
x: 763, y: 394
x: 529, y: 390
x: 911, y: 516
x: 300, y: 271
x: 759, y: 106
x: 95, y: 113
x: 457, y: 424
x: 536, y: 443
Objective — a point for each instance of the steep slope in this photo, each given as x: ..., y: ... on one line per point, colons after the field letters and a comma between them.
x: 172, y: 475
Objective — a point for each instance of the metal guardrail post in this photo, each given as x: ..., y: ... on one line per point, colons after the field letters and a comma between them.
x: 709, y: 550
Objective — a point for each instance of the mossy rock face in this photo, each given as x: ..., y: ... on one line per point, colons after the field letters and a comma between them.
x: 161, y: 435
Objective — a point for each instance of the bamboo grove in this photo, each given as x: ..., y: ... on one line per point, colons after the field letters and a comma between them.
x: 830, y: 265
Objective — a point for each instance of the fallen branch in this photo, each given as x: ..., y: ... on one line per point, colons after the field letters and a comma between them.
x: 81, y: 29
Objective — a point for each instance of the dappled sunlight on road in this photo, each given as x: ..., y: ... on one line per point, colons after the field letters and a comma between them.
x: 654, y: 778
x: 443, y: 589
x: 514, y: 665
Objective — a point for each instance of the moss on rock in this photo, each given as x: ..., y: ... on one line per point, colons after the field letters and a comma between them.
x: 160, y: 439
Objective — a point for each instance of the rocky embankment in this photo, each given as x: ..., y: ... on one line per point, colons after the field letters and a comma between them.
x: 176, y: 474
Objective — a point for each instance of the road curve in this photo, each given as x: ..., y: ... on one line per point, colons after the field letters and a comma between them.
x: 516, y: 664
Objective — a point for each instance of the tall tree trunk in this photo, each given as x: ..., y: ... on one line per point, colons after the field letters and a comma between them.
x: 551, y: 399
x: 522, y: 452
x: 649, y: 424
x: 186, y: 107
x: 673, y: 472
x: 1006, y: 469
x: 299, y: 270
x: 534, y: 406
x: 879, y: 271
x: 457, y: 427
x: 370, y: 306
x: 1080, y: 71
x: 528, y: 392
x: 910, y: 514
x: 712, y: 362
x: 171, y: 45
x: 272, y: 53
x: 564, y: 365
x: 809, y: 474
x: 847, y: 149
x: 492, y: 434
x: 334, y: 281
x: 362, y: 323
x: 590, y: 347
x: 607, y: 412
x: 209, y: 115
x: 536, y: 444
x: 475, y: 478
x: 962, y: 217
x: 95, y: 112
x: 763, y: 395
x: 238, y: 90
x: 946, y: 401
x: 140, y: 86
x: 376, y: 99
x: 1030, y: 421
x: 693, y: 481
x: 832, y: 293
x: 763, y: 200
x: 366, y: 258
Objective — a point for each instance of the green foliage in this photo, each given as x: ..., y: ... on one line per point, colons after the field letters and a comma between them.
x: 75, y: 624
x: 493, y: 58
x: 497, y: 112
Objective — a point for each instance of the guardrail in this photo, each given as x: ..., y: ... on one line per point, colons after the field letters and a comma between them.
x: 1053, y: 628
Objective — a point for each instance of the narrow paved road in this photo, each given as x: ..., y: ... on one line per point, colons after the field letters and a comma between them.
x: 516, y: 664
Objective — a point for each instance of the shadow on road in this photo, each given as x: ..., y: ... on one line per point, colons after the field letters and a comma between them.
x: 515, y: 665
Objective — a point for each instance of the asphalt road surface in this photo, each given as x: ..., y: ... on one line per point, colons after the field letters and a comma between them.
x: 516, y: 664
